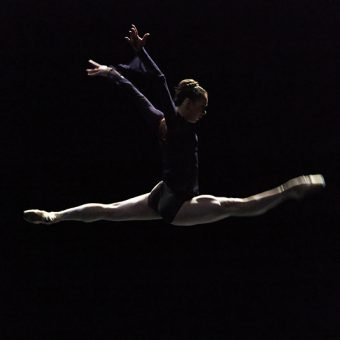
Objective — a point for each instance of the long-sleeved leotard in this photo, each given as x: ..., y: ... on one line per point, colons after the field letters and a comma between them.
x: 180, y: 145
x: 153, y: 78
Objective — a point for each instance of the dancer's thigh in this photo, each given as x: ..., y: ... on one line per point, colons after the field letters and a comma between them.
x: 136, y: 208
x: 199, y: 210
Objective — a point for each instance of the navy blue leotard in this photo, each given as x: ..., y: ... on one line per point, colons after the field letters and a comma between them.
x: 180, y: 145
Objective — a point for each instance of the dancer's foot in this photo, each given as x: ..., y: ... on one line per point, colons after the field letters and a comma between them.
x: 300, y: 186
x: 39, y: 217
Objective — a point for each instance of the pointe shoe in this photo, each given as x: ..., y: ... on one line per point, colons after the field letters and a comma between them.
x: 302, y: 185
x: 39, y: 216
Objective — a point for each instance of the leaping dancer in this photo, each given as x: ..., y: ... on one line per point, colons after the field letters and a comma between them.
x: 176, y: 198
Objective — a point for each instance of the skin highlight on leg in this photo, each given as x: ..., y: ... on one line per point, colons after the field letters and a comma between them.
x: 132, y: 209
x: 207, y: 209
x: 199, y: 210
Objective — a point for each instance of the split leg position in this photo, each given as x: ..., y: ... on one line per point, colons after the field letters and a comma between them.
x: 199, y: 210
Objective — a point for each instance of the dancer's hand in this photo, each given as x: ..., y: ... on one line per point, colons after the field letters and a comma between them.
x: 100, y: 70
x: 135, y: 40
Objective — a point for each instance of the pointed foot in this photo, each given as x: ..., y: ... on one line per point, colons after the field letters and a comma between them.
x: 39, y: 216
x: 303, y: 185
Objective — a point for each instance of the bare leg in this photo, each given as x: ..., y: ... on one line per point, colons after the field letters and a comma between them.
x: 199, y: 210
x: 206, y: 209
x: 132, y: 209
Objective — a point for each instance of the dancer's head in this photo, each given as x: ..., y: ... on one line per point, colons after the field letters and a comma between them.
x: 191, y: 100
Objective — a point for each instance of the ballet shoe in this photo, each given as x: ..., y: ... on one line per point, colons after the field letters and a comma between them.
x: 39, y: 217
x: 300, y: 186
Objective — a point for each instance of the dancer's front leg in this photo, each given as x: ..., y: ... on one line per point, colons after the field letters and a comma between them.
x: 132, y: 209
x: 206, y: 209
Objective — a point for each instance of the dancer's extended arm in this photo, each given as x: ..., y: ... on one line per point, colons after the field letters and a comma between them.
x: 150, y: 113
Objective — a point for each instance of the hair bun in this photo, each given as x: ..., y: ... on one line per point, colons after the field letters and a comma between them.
x: 186, y: 84
x: 188, y: 88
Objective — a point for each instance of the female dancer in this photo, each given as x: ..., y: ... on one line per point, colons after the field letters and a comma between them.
x: 176, y: 198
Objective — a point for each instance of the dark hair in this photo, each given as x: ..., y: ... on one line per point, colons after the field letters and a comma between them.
x: 188, y: 88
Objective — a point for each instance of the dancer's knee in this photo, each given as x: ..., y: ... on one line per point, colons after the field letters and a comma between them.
x: 233, y: 206
x: 249, y: 206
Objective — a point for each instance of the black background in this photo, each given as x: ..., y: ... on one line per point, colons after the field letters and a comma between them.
x: 67, y: 139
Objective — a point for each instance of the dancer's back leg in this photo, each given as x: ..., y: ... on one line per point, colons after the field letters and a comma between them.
x: 136, y: 208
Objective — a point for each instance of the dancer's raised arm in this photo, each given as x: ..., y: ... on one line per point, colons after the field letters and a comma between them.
x: 138, y: 44
x: 143, y: 63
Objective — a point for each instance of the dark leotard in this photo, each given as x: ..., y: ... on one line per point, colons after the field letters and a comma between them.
x: 179, y: 147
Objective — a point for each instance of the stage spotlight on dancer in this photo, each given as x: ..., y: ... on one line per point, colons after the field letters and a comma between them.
x: 175, y: 199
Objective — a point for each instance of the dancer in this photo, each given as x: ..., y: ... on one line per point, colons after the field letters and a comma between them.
x: 176, y: 198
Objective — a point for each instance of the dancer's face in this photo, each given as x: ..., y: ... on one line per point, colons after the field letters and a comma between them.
x: 194, y: 110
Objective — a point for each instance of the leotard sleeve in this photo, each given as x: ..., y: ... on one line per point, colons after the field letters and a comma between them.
x: 143, y: 63
x: 152, y: 115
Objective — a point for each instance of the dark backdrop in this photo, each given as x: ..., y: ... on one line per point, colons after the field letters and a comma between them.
x: 269, y: 67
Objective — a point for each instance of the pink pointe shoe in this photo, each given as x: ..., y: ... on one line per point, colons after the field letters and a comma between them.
x: 302, y: 185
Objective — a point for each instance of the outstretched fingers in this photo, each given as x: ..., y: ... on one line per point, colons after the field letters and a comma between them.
x: 92, y: 62
x: 134, y: 39
x: 145, y: 37
x: 97, y: 70
x: 92, y: 72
